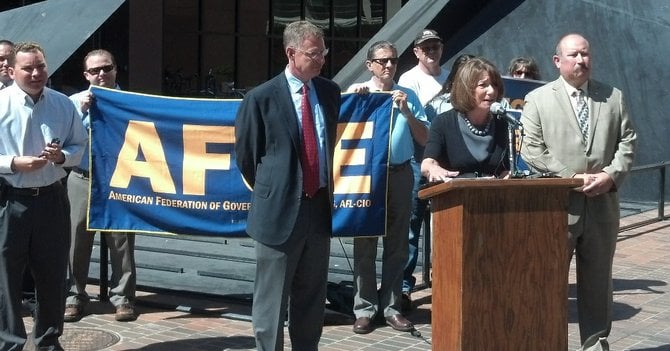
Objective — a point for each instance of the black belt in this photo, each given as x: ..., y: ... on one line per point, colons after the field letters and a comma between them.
x: 399, y: 166
x: 81, y: 171
x: 30, y: 192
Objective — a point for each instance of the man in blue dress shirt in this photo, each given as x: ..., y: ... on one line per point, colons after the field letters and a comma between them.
x: 409, y: 126
x: 40, y: 133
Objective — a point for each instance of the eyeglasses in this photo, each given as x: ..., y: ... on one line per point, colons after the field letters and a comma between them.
x: 384, y: 61
x: 316, y: 54
x: 430, y: 48
x: 96, y: 70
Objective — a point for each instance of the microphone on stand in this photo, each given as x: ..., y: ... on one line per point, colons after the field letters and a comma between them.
x: 499, y: 111
x: 512, y: 125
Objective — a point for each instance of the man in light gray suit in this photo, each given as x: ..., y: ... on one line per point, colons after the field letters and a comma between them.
x: 589, y: 137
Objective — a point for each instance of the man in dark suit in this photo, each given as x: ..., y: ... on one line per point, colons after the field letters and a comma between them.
x: 285, y: 138
x: 579, y: 127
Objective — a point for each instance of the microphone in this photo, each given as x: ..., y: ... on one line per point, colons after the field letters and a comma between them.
x: 500, y: 112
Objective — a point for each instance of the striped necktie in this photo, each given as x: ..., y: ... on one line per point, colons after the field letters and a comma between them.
x: 582, y: 114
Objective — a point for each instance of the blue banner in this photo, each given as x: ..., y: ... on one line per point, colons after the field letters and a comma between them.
x: 517, y: 88
x: 515, y: 92
x: 361, y: 165
x: 166, y: 165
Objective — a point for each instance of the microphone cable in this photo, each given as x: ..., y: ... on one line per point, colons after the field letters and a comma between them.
x: 417, y: 334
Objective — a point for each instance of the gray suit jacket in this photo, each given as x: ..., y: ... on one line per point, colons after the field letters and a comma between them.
x: 267, y: 149
x: 553, y: 141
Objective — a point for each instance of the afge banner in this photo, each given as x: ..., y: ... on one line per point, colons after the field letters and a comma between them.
x: 167, y: 165
x: 361, y: 164
x: 517, y: 88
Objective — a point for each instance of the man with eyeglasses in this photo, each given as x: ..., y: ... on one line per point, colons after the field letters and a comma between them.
x: 284, y: 144
x: 41, y: 134
x: 99, y: 70
x: 409, y: 127
x: 426, y: 80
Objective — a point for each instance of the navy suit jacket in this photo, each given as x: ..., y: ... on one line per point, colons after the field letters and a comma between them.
x: 267, y: 148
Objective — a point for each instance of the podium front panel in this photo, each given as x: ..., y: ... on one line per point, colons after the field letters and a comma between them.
x: 500, y: 268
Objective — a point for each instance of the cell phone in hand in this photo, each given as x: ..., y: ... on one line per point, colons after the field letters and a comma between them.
x: 55, y: 141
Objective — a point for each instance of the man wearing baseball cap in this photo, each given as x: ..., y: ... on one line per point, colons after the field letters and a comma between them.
x: 427, y: 76
x: 425, y: 79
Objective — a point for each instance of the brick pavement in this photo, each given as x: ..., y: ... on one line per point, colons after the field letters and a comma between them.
x: 175, y: 323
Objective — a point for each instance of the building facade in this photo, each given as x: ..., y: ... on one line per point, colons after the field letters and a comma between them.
x: 214, y: 48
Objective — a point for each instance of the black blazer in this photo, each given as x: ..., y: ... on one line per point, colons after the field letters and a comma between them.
x: 267, y: 152
x: 446, y: 145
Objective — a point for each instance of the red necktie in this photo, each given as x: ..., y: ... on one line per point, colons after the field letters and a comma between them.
x: 310, y: 151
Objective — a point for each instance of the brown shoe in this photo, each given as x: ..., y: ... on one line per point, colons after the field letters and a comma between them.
x: 400, y: 323
x: 72, y: 313
x: 125, y: 313
x: 363, y: 325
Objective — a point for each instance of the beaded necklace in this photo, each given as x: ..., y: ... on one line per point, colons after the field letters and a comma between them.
x: 475, y: 130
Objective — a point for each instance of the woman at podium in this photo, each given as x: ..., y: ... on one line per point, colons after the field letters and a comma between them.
x: 468, y: 141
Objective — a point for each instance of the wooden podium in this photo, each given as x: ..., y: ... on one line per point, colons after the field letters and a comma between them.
x: 500, y: 264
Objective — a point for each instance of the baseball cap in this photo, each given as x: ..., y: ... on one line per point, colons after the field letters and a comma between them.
x: 426, y: 34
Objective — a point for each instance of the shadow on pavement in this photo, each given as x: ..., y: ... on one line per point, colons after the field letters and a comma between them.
x: 621, y: 311
x: 657, y: 348
x: 223, y: 343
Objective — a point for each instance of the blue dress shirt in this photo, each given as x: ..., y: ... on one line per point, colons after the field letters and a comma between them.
x: 27, y: 126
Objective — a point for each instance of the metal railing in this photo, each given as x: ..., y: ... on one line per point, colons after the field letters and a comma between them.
x: 661, y: 168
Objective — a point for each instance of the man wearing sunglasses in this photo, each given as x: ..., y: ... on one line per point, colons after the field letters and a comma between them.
x: 425, y: 79
x: 409, y: 127
x: 99, y: 70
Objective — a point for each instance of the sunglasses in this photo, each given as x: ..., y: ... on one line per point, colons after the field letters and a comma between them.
x: 384, y: 61
x: 96, y: 70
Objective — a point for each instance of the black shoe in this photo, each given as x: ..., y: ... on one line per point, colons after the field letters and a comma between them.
x: 73, y: 313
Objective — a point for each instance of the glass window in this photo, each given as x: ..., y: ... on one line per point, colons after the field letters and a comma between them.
x: 180, y: 48
x: 342, y: 52
x: 347, y: 25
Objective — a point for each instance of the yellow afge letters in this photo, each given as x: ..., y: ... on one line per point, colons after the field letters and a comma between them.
x: 196, y: 159
x: 154, y: 166
x: 143, y: 136
x: 358, y: 184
